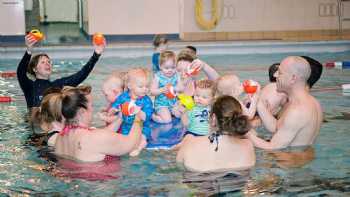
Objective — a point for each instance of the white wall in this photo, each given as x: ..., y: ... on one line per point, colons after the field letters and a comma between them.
x: 12, y: 17
x: 59, y: 10
x: 265, y: 15
x: 28, y: 5
x: 133, y: 16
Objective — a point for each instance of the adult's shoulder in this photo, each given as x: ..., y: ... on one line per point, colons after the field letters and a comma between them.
x: 192, y: 141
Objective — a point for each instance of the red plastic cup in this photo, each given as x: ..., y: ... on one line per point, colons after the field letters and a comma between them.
x: 171, y: 92
x: 250, y: 86
x: 128, y: 108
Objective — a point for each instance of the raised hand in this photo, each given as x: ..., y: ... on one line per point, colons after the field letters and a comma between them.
x: 30, y: 42
x: 100, y: 47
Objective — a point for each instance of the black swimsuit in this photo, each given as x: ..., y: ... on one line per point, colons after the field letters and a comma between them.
x: 214, y: 137
x: 41, y: 139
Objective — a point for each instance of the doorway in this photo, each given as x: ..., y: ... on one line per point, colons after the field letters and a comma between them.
x: 60, y: 21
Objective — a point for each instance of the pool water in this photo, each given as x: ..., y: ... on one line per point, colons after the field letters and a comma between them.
x: 323, y: 170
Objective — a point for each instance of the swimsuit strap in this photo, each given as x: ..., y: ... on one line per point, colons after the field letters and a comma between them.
x: 214, y: 137
x: 50, y: 134
x: 68, y: 128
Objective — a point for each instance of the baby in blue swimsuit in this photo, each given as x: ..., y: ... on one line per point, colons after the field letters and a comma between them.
x: 112, y: 87
x: 160, y: 43
x: 137, y: 84
x: 165, y: 85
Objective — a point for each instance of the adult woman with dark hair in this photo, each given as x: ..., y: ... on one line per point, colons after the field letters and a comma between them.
x: 40, y: 67
x: 77, y: 140
x: 49, y: 117
x: 226, y: 148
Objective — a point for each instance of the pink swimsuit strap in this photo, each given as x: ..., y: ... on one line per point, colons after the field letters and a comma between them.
x: 68, y: 128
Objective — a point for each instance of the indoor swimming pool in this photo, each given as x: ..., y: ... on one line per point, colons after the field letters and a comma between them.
x: 321, y: 170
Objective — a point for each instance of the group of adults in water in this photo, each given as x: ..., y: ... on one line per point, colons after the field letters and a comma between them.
x: 284, y: 107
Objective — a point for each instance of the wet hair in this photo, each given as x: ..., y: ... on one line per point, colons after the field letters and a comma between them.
x: 230, y: 120
x: 206, y: 84
x: 316, y: 70
x: 116, y: 76
x: 134, y: 73
x: 231, y: 79
x: 73, y: 99
x: 34, y: 62
x: 272, y: 70
x: 52, y: 90
x: 184, y: 55
x: 52, y: 105
x: 166, y: 55
x: 159, y: 39
x: 50, y: 108
x: 192, y: 48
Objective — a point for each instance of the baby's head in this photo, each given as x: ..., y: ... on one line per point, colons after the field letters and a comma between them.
x: 113, y: 86
x: 137, y: 81
x: 167, y: 63
x: 191, y: 49
x: 272, y: 70
x: 204, y: 92
x: 184, y: 59
x: 229, y: 85
x: 160, y: 42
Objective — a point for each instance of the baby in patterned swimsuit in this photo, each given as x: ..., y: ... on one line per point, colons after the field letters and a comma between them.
x: 196, y: 119
x: 165, y: 81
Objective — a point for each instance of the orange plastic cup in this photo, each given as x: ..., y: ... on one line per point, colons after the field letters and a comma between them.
x: 98, y: 39
x: 128, y: 108
x: 193, y: 70
x: 37, y: 34
x: 171, y: 93
x: 250, y: 86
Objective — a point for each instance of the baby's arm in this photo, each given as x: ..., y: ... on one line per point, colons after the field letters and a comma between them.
x: 253, y: 98
x: 155, y: 90
x: 179, y: 86
x: 250, y: 112
x: 107, y: 117
x: 115, y: 125
x: 184, y: 119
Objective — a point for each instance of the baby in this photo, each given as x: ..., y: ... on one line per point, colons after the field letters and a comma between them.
x: 186, y: 60
x: 191, y: 49
x: 165, y: 84
x: 160, y: 44
x: 269, y: 96
x: 231, y: 86
x: 137, y: 82
x: 112, y: 87
x: 196, y: 119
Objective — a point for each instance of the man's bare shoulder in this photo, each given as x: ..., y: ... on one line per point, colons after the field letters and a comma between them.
x: 294, y: 114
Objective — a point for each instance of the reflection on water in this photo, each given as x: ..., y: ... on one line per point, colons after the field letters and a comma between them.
x: 293, y: 158
x: 215, y: 182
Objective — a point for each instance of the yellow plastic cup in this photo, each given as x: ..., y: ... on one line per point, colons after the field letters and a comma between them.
x: 186, y: 101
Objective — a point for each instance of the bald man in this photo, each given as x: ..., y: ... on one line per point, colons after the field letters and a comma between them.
x: 301, y: 120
